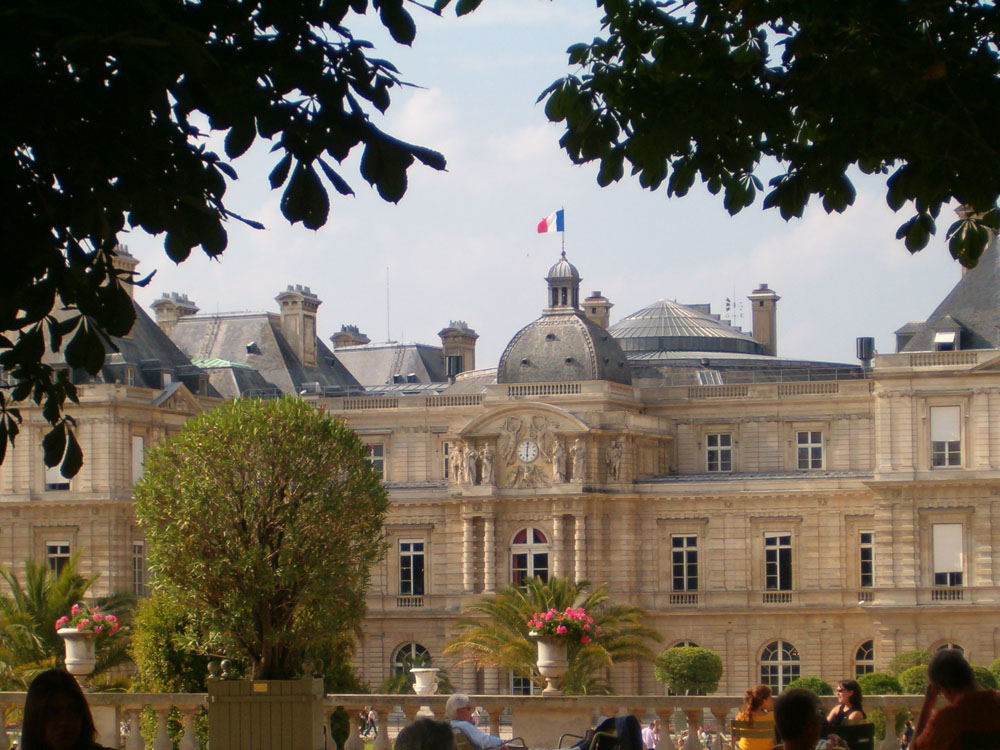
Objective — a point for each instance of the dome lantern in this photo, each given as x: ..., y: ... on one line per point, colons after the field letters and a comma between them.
x: 564, y: 286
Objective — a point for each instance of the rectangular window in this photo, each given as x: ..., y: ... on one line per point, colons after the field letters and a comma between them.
x: 866, y: 541
x: 54, y: 481
x: 411, y: 568
x: 946, y: 436
x: 57, y: 555
x: 948, y: 554
x: 521, y: 685
x: 810, y: 449
x: 684, y: 561
x: 445, y: 460
x: 376, y: 457
x: 138, y: 457
x: 720, y: 451
x: 453, y: 364
x: 139, y: 573
x: 778, y: 562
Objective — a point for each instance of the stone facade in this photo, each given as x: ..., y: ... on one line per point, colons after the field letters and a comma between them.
x: 816, y: 524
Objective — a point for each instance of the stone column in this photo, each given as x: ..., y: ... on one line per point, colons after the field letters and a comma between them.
x: 489, y: 555
x: 891, y: 741
x: 580, y: 546
x: 557, y: 546
x: 467, y: 555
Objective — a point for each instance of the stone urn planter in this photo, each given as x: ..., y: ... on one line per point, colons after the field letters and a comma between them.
x: 424, y: 680
x: 80, y: 651
x: 552, y: 662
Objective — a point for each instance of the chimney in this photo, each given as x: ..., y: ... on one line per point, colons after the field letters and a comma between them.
x: 298, y: 321
x: 597, y: 309
x: 765, y: 323
x: 125, y: 264
x: 348, y: 336
x: 458, y: 344
x: 170, y: 308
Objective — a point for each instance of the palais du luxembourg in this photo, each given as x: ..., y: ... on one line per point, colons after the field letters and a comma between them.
x: 797, y: 517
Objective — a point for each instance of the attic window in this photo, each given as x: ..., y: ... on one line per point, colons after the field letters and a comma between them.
x: 550, y: 337
x: 569, y: 360
x: 411, y: 377
x: 524, y: 361
x: 252, y: 348
x: 944, y: 341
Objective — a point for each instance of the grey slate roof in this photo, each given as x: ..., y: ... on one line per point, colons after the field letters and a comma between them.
x: 255, y: 339
x: 563, y: 347
x: 973, y: 304
x: 386, y: 363
x: 670, y: 326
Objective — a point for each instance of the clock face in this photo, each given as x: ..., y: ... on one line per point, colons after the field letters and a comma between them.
x: 527, y: 451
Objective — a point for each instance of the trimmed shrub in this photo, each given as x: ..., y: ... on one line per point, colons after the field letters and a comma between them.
x: 984, y: 676
x: 914, y: 680
x: 879, y: 683
x: 816, y: 684
x: 689, y: 668
x: 906, y: 659
x: 995, y: 669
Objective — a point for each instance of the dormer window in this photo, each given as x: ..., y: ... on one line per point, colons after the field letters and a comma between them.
x: 946, y: 341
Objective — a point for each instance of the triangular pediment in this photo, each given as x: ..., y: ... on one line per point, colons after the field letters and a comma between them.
x: 176, y: 397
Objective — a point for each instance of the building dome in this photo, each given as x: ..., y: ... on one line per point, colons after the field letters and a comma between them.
x: 563, y: 269
x: 562, y: 345
x: 671, y: 327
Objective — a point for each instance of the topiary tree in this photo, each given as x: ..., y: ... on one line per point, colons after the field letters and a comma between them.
x: 913, y: 681
x: 995, y: 669
x: 263, y: 519
x: 984, y: 676
x: 879, y: 683
x: 906, y: 659
x: 816, y: 684
x: 689, y: 669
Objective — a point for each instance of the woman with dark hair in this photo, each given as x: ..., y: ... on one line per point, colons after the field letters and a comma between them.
x: 848, y: 706
x: 426, y: 734
x: 756, y: 711
x: 56, y: 715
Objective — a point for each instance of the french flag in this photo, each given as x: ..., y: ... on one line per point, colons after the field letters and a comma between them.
x: 552, y: 223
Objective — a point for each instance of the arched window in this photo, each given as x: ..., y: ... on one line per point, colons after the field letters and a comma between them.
x: 779, y: 665
x: 529, y: 556
x: 948, y: 644
x: 407, y: 655
x: 864, y: 658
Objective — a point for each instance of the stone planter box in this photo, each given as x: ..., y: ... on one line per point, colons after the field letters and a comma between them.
x: 265, y: 714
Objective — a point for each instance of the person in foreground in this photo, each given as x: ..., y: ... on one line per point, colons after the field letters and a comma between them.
x: 756, y: 710
x: 426, y: 734
x: 970, y: 708
x: 799, y: 720
x: 56, y: 715
x: 848, y: 706
x: 459, y: 713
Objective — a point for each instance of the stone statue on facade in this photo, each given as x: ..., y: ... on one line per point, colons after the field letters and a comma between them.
x: 509, y: 439
x: 559, y: 461
x: 455, y: 462
x: 579, y: 453
x: 470, y: 465
x: 613, y: 456
x: 487, y: 456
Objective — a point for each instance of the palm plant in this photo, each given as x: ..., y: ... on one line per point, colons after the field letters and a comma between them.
x: 29, y: 643
x: 494, y: 633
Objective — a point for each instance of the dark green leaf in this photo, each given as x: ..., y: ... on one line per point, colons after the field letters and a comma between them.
x: 280, y: 172
x: 54, y: 445
x: 463, y: 7
x: 240, y: 138
x: 85, y: 350
x: 335, y: 179
x: 73, y: 461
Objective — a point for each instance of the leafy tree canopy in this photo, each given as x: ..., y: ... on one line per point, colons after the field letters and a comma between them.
x: 494, y: 633
x: 995, y: 668
x: 263, y: 518
x: 689, y: 669
x: 984, y: 676
x: 817, y: 684
x: 722, y: 91
x: 107, y: 110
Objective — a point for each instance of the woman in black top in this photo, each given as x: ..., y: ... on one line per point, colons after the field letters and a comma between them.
x: 848, y: 706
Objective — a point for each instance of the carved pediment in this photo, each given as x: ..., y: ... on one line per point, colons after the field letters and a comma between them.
x: 178, y: 398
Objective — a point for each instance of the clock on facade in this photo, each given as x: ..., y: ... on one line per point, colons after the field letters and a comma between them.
x: 527, y: 451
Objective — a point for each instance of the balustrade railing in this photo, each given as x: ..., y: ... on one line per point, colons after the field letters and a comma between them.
x: 539, y: 720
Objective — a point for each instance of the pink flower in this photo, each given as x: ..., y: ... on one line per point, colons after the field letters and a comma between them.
x: 98, y: 616
x: 584, y: 639
x: 98, y: 629
x: 61, y: 621
x: 586, y: 627
x: 561, y: 629
x: 83, y: 624
x: 75, y: 609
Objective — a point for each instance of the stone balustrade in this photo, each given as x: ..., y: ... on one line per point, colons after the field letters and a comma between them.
x: 540, y: 721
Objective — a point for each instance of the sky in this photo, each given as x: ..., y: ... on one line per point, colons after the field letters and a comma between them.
x: 462, y: 244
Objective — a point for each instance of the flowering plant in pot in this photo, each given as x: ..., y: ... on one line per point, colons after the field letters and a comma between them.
x: 84, y: 619
x: 573, y: 624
